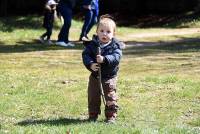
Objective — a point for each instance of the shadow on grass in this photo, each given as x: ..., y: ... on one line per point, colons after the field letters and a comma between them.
x: 158, y: 21
x: 9, y: 24
x: 34, y: 45
x: 52, y: 122
x: 182, y: 45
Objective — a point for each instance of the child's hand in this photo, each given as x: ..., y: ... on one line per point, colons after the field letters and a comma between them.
x: 94, y: 66
x: 100, y: 59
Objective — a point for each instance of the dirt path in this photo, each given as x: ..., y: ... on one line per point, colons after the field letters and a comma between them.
x: 162, y: 32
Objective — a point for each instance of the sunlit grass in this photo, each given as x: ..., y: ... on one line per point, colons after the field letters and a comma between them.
x: 44, y: 88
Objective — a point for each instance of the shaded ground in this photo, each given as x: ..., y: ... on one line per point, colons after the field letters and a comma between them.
x: 156, y: 20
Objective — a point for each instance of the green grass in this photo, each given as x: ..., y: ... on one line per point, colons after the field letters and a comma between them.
x: 44, y: 88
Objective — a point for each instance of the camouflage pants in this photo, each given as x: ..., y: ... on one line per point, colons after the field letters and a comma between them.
x: 94, y: 97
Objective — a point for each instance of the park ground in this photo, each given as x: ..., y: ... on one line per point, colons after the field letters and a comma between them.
x: 44, y: 87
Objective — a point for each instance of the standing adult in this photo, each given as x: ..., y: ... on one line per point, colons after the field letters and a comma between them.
x: 91, y: 8
x: 65, y: 8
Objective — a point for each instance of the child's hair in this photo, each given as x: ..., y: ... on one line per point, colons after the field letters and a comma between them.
x: 107, y: 20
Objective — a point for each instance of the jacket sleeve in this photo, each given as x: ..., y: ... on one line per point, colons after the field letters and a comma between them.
x: 114, y: 58
x: 87, y: 57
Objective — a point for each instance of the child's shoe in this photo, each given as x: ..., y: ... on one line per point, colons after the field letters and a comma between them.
x: 92, y: 119
x: 41, y: 39
x: 111, y: 120
x: 49, y: 42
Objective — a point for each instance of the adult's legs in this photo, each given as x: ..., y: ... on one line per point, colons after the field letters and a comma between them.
x: 88, y: 19
x: 66, y: 12
x: 43, y: 35
x: 49, y: 32
x: 92, y: 22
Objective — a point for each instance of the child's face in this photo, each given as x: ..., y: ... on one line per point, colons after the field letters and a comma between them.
x: 105, y: 33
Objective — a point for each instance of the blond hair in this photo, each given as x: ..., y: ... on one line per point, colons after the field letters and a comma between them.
x: 107, y: 20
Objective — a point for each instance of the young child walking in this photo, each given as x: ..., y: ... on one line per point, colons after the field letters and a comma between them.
x: 50, y: 9
x: 109, y: 59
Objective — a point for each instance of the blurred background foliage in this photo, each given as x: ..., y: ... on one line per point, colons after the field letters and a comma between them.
x: 130, y: 7
x: 127, y: 12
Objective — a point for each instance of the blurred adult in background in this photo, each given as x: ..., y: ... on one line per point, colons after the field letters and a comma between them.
x: 49, y: 14
x: 91, y: 9
x: 65, y: 7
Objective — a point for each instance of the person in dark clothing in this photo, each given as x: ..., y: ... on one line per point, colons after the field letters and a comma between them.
x: 91, y: 9
x: 50, y: 8
x: 65, y: 8
x: 109, y: 60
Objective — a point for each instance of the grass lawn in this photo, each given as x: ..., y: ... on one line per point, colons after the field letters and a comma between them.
x: 44, y: 88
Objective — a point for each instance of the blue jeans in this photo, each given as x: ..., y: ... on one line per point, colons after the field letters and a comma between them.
x: 90, y: 20
x: 66, y: 12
